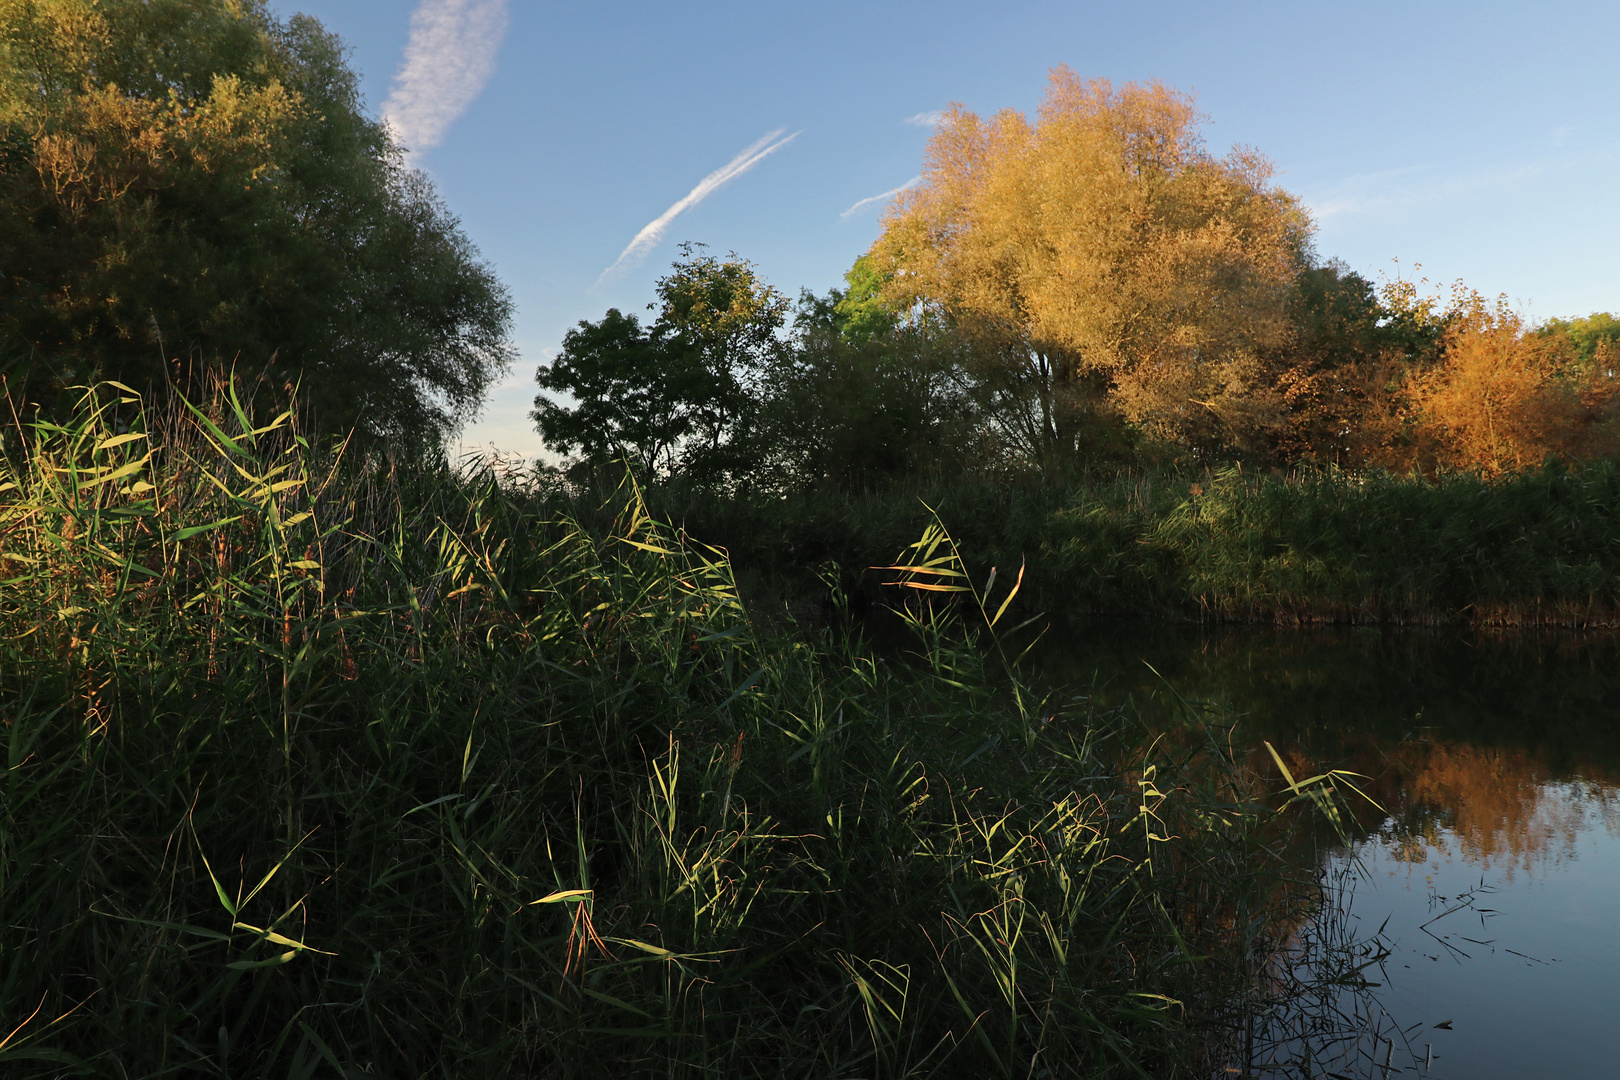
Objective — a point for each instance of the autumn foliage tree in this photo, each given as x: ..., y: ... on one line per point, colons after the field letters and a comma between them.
x: 1107, y: 267
x: 1504, y: 398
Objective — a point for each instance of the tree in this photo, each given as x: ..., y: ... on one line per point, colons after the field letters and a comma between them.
x: 1503, y: 398
x: 187, y: 185
x: 864, y: 394
x: 1589, y: 336
x: 1350, y: 351
x: 682, y: 395
x: 1107, y: 266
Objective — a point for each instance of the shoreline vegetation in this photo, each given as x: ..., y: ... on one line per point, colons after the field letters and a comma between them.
x: 320, y: 761
x: 1296, y: 548
x: 328, y: 756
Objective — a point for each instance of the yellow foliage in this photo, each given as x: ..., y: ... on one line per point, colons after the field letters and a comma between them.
x: 1104, y: 262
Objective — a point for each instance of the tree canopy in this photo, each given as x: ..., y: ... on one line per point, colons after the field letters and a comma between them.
x: 1092, y: 287
x: 191, y: 185
x: 682, y: 394
x: 1106, y: 263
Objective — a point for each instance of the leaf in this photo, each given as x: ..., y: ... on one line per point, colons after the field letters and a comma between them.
x: 193, y: 530
x: 320, y: 1045
x: 1293, y: 786
x: 61, y: 1057
x: 119, y: 440
x: 568, y: 896
x: 927, y: 587
x: 281, y: 939
x: 123, y: 470
x: 644, y: 947
x: 433, y: 802
x: 748, y: 684
x: 224, y: 900
x: 274, y: 961
x: 184, y: 928
x: 213, y: 428
x: 644, y: 547
x: 1018, y: 584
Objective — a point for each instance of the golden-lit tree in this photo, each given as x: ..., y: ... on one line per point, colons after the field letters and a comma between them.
x: 1503, y: 398
x: 1106, y: 266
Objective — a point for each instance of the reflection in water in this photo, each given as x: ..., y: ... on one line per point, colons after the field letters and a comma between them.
x: 1473, y: 930
x: 1499, y: 808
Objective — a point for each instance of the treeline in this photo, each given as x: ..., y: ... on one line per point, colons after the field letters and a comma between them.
x: 1087, y: 290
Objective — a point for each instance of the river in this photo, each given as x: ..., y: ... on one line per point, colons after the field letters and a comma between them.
x: 1481, y: 896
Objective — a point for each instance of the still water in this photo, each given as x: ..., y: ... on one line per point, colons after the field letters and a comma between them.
x: 1485, y: 893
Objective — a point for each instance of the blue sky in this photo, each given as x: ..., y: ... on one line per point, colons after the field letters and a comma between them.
x: 1476, y: 139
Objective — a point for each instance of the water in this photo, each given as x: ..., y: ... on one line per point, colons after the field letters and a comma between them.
x: 1485, y: 894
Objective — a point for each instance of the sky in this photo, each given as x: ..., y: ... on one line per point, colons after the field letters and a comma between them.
x: 579, y: 144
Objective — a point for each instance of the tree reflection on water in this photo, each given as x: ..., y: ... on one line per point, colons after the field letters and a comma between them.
x: 1472, y: 892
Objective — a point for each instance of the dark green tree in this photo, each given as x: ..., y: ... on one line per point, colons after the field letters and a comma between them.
x: 868, y: 393
x: 680, y: 396
x: 191, y: 186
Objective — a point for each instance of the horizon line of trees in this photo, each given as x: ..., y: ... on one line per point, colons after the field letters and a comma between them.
x: 1090, y: 288
x: 191, y: 188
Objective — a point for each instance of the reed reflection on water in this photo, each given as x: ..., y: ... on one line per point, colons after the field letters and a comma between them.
x: 1472, y: 929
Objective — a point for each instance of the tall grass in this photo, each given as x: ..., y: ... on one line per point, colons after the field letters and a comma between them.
x: 322, y: 764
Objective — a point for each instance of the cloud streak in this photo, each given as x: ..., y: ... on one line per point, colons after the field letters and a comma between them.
x: 887, y: 195
x: 1395, y: 192
x: 448, y: 59
x: 653, y: 232
x: 928, y: 119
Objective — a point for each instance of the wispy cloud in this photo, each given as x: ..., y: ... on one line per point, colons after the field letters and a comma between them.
x: 653, y: 232
x: 885, y: 197
x: 448, y: 59
x: 928, y: 119
x: 1394, y: 192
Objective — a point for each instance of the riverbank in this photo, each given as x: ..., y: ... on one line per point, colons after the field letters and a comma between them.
x: 1309, y: 546
x: 320, y: 763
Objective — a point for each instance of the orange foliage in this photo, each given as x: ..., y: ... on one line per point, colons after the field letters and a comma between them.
x: 1496, y: 806
x: 1504, y: 399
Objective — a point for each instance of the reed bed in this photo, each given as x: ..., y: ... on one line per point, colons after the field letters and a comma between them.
x: 1306, y: 546
x: 324, y: 764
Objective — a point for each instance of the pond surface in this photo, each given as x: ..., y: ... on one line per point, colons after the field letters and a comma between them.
x: 1486, y: 891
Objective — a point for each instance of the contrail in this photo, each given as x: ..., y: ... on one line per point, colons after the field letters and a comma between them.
x: 891, y: 193
x: 651, y: 234
x: 448, y: 59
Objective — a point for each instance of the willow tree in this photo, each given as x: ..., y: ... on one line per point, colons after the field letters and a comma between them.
x: 1106, y: 265
x: 188, y: 185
